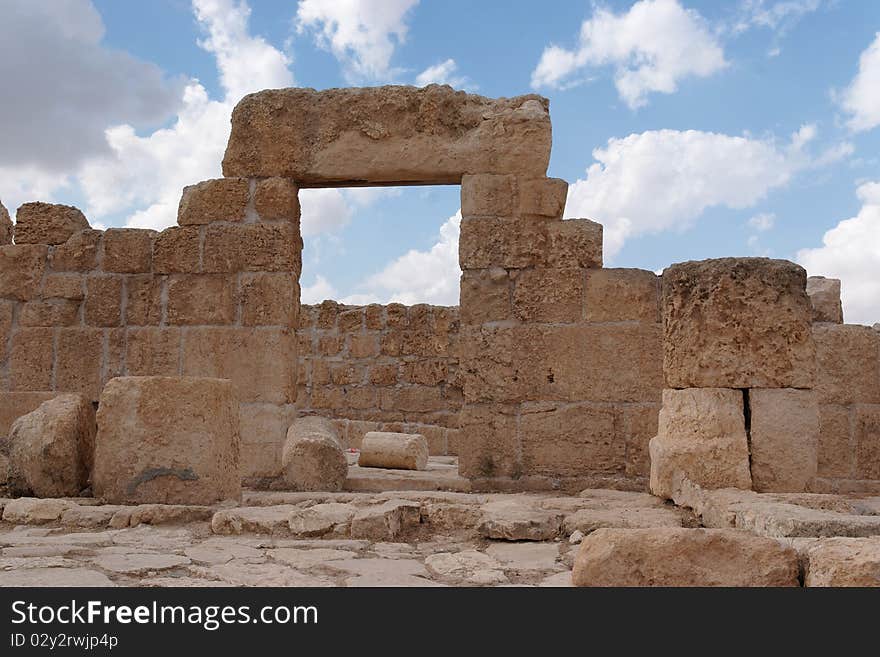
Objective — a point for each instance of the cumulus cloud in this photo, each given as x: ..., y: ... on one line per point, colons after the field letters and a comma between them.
x: 144, y: 175
x: 861, y: 99
x: 851, y: 252
x: 430, y: 276
x: 445, y: 72
x: 664, y: 179
x: 652, y: 47
x: 361, y: 34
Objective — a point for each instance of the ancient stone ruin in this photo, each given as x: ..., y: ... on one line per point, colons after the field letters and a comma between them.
x: 717, y: 424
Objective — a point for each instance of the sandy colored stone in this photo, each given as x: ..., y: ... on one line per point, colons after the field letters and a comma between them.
x: 320, y: 519
x: 79, y: 361
x: 779, y: 520
x: 866, y: 431
x: 30, y: 359
x: 549, y: 295
x: 139, y: 563
x: 401, y: 451
x: 51, y: 448
x: 103, y: 305
x: 79, y: 253
x: 176, y: 250
x: 391, y: 134
x: 589, y: 520
x: 50, y: 577
x: 834, y: 454
x: 34, y: 511
x: 128, y: 250
x: 15, y: 404
x: 47, y: 223
x: 143, y: 305
x: 49, y: 312
x: 386, y: 521
x: 848, y: 360
x: 221, y: 199
x: 485, y: 295
x: 253, y: 520
x: 620, y: 295
x: 269, y: 299
x: 682, y: 557
x: 153, y: 351
x: 167, y: 440
x: 466, y: 567
x: 702, y: 436
x: 544, y: 197
x: 574, y: 243
x: 277, y: 199
x: 5, y: 226
x: 233, y: 248
x: 509, y: 243
x: 201, y: 299
x: 844, y: 562
x: 21, y: 270
x: 526, y: 557
x: 63, y: 286
x: 487, y: 195
x: 824, y: 296
x: 515, y: 520
x: 312, y: 457
x: 737, y: 323
x: 783, y: 439
x: 90, y: 517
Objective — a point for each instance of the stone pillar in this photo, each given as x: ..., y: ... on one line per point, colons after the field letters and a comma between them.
x: 739, y: 363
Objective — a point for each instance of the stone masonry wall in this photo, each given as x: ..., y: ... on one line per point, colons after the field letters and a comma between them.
x: 382, y: 368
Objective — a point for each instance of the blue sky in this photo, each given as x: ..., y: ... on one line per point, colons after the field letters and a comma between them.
x: 690, y: 129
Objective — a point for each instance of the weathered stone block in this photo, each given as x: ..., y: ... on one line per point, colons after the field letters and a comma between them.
x: 21, y: 270
x: 30, y: 359
x: 402, y: 451
x: 277, y: 199
x: 153, y: 351
x: 574, y: 243
x: 269, y: 299
x: 549, y: 295
x: 51, y: 448
x: 848, y: 362
x: 737, y: 323
x: 620, y: 295
x: 264, y: 423
x: 6, y: 227
x: 639, y: 424
x: 784, y: 439
x: 103, y: 306
x: 487, y: 195
x: 200, y: 299
x: 222, y: 199
x: 15, y: 404
x: 834, y: 453
x: 502, y: 242
x: 79, y: 252
x: 866, y: 429
x: 485, y: 295
x: 253, y: 247
x: 47, y: 223
x: 669, y: 556
x: 143, y: 302
x: 167, y: 440
x: 544, y: 197
x: 824, y: 296
x: 79, y: 361
x: 128, y: 250
x: 363, y: 346
x: 49, y: 312
x: 312, y: 458
x: 64, y: 286
x: 261, y: 362
x: 176, y: 250
x: 491, y: 448
x: 429, y: 135
x: 702, y: 436
x: 842, y: 561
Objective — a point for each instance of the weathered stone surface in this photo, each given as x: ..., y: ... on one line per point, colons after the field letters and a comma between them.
x: 5, y: 226
x: 385, y: 522
x: 277, y: 199
x: 233, y: 248
x: 737, y: 323
x: 128, y: 250
x: 312, y: 458
x: 222, y: 199
x: 103, y: 305
x: 549, y: 295
x: 784, y: 439
x: 824, y: 296
x: 21, y: 270
x: 201, y: 299
x: 167, y: 440
x: 43, y: 577
x: 866, y: 431
x: 778, y: 520
x: 574, y: 243
x: 844, y: 562
x: 321, y: 519
x: 139, y: 563
x: 620, y: 295
x: 15, y: 404
x: 391, y: 134
x: 47, y: 223
x: 514, y: 520
x: 589, y: 520
x: 79, y: 253
x: 466, y: 567
x: 33, y: 511
x: 51, y: 448
x: 526, y: 557
x: 848, y: 362
x: 269, y: 300
x: 403, y: 451
x: 682, y: 557
x: 30, y: 359
x: 701, y: 435
x: 253, y: 519
x: 176, y: 250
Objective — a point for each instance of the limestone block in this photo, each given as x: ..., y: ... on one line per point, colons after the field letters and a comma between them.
x: 492, y: 446
x: 34, y: 511
x: 487, y: 195
x: 834, y: 453
x: 264, y: 423
x: 516, y: 520
x: 201, y: 299
x: 79, y: 252
x: 261, y: 362
x: 737, y: 323
x: 848, y: 362
x: 222, y: 199
x: 176, y: 250
x: 574, y: 243
x: 668, y: 556
x: 866, y: 428
x: 103, y: 305
x: 363, y: 346
x: 620, y: 295
x: 502, y: 242
x: 824, y: 296
x: 79, y: 361
x: 549, y: 295
x: 784, y: 439
x: 64, y: 286
x: 385, y: 522
x: 167, y: 440
x: 21, y: 270
x: 51, y: 448
x: 544, y: 197
x: 143, y: 301
x: 128, y: 250
x: 391, y: 134
x: 321, y: 519
x: 401, y: 451
x: 153, y: 351
x: 277, y: 199
x: 5, y: 226
x: 639, y: 424
x: 15, y: 404
x: 485, y: 295
x: 49, y: 312
x: 843, y: 562
x: 269, y: 299
x: 30, y: 359
x: 47, y: 223
x: 312, y: 458
x: 701, y: 435
x: 253, y: 247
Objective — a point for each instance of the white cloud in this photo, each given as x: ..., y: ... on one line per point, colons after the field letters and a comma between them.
x: 664, y: 179
x: 779, y: 16
x: 318, y: 291
x: 762, y: 222
x: 652, y: 47
x: 361, y: 34
x: 443, y: 73
x: 430, y: 276
x: 144, y: 176
x: 851, y: 252
x: 861, y: 99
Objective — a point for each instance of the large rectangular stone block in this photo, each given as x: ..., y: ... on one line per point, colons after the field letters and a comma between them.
x: 167, y: 440
x: 79, y: 361
x: 79, y: 252
x: 383, y: 135
x: 784, y: 439
x: 269, y: 299
x: 502, y: 242
x: 201, y: 299
x: 543, y: 197
x: 260, y: 361
x: 549, y: 295
x: 177, y: 250
x: 222, y: 199
x: 277, y: 199
x: 103, y: 305
x: 21, y: 270
x: 866, y: 426
x: 153, y: 351
x: 485, y: 295
x: 489, y: 447
x: 835, y: 456
x: 737, y: 323
x: 30, y: 359
x: 621, y: 295
x: 487, y: 195
x: 143, y: 301
x: 253, y: 247
x: 128, y: 250
x: 848, y: 364
x: 574, y: 243
x: 824, y: 296
x: 15, y: 404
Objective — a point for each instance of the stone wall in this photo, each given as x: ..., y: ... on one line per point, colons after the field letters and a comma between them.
x: 382, y: 368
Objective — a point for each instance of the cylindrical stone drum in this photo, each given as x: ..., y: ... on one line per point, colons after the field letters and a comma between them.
x: 312, y: 458
x: 400, y: 451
